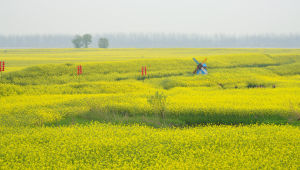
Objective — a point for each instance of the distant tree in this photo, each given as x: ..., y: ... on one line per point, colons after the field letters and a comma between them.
x: 86, y: 40
x: 77, y: 41
x: 103, y: 43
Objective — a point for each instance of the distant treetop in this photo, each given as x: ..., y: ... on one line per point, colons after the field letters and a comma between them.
x: 103, y: 43
x: 82, y: 41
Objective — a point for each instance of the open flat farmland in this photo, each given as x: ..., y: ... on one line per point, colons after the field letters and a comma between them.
x: 244, y: 113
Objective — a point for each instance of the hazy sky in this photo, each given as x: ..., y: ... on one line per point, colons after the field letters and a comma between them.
x: 169, y: 16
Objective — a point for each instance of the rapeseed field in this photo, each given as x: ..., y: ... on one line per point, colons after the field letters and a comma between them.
x: 243, y: 115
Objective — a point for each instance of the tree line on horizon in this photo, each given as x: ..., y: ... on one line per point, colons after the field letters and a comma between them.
x: 154, y: 40
x: 86, y: 39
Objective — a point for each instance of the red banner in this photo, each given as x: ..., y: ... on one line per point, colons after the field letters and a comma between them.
x: 79, y: 70
x: 2, y: 66
x: 144, y: 70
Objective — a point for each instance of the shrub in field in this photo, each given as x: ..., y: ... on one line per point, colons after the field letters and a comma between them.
x: 158, y: 103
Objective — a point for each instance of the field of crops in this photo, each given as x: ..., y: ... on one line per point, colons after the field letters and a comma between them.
x: 244, y: 114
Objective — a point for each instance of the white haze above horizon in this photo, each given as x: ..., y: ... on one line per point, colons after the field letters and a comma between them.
x: 238, y: 17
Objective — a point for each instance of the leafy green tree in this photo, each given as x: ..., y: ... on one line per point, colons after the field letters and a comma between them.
x: 87, y: 40
x: 103, y: 43
x: 77, y: 41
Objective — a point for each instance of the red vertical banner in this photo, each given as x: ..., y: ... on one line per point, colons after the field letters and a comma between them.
x: 142, y: 71
x: 145, y: 71
x: 3, y: 66
x: 79, y: 69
